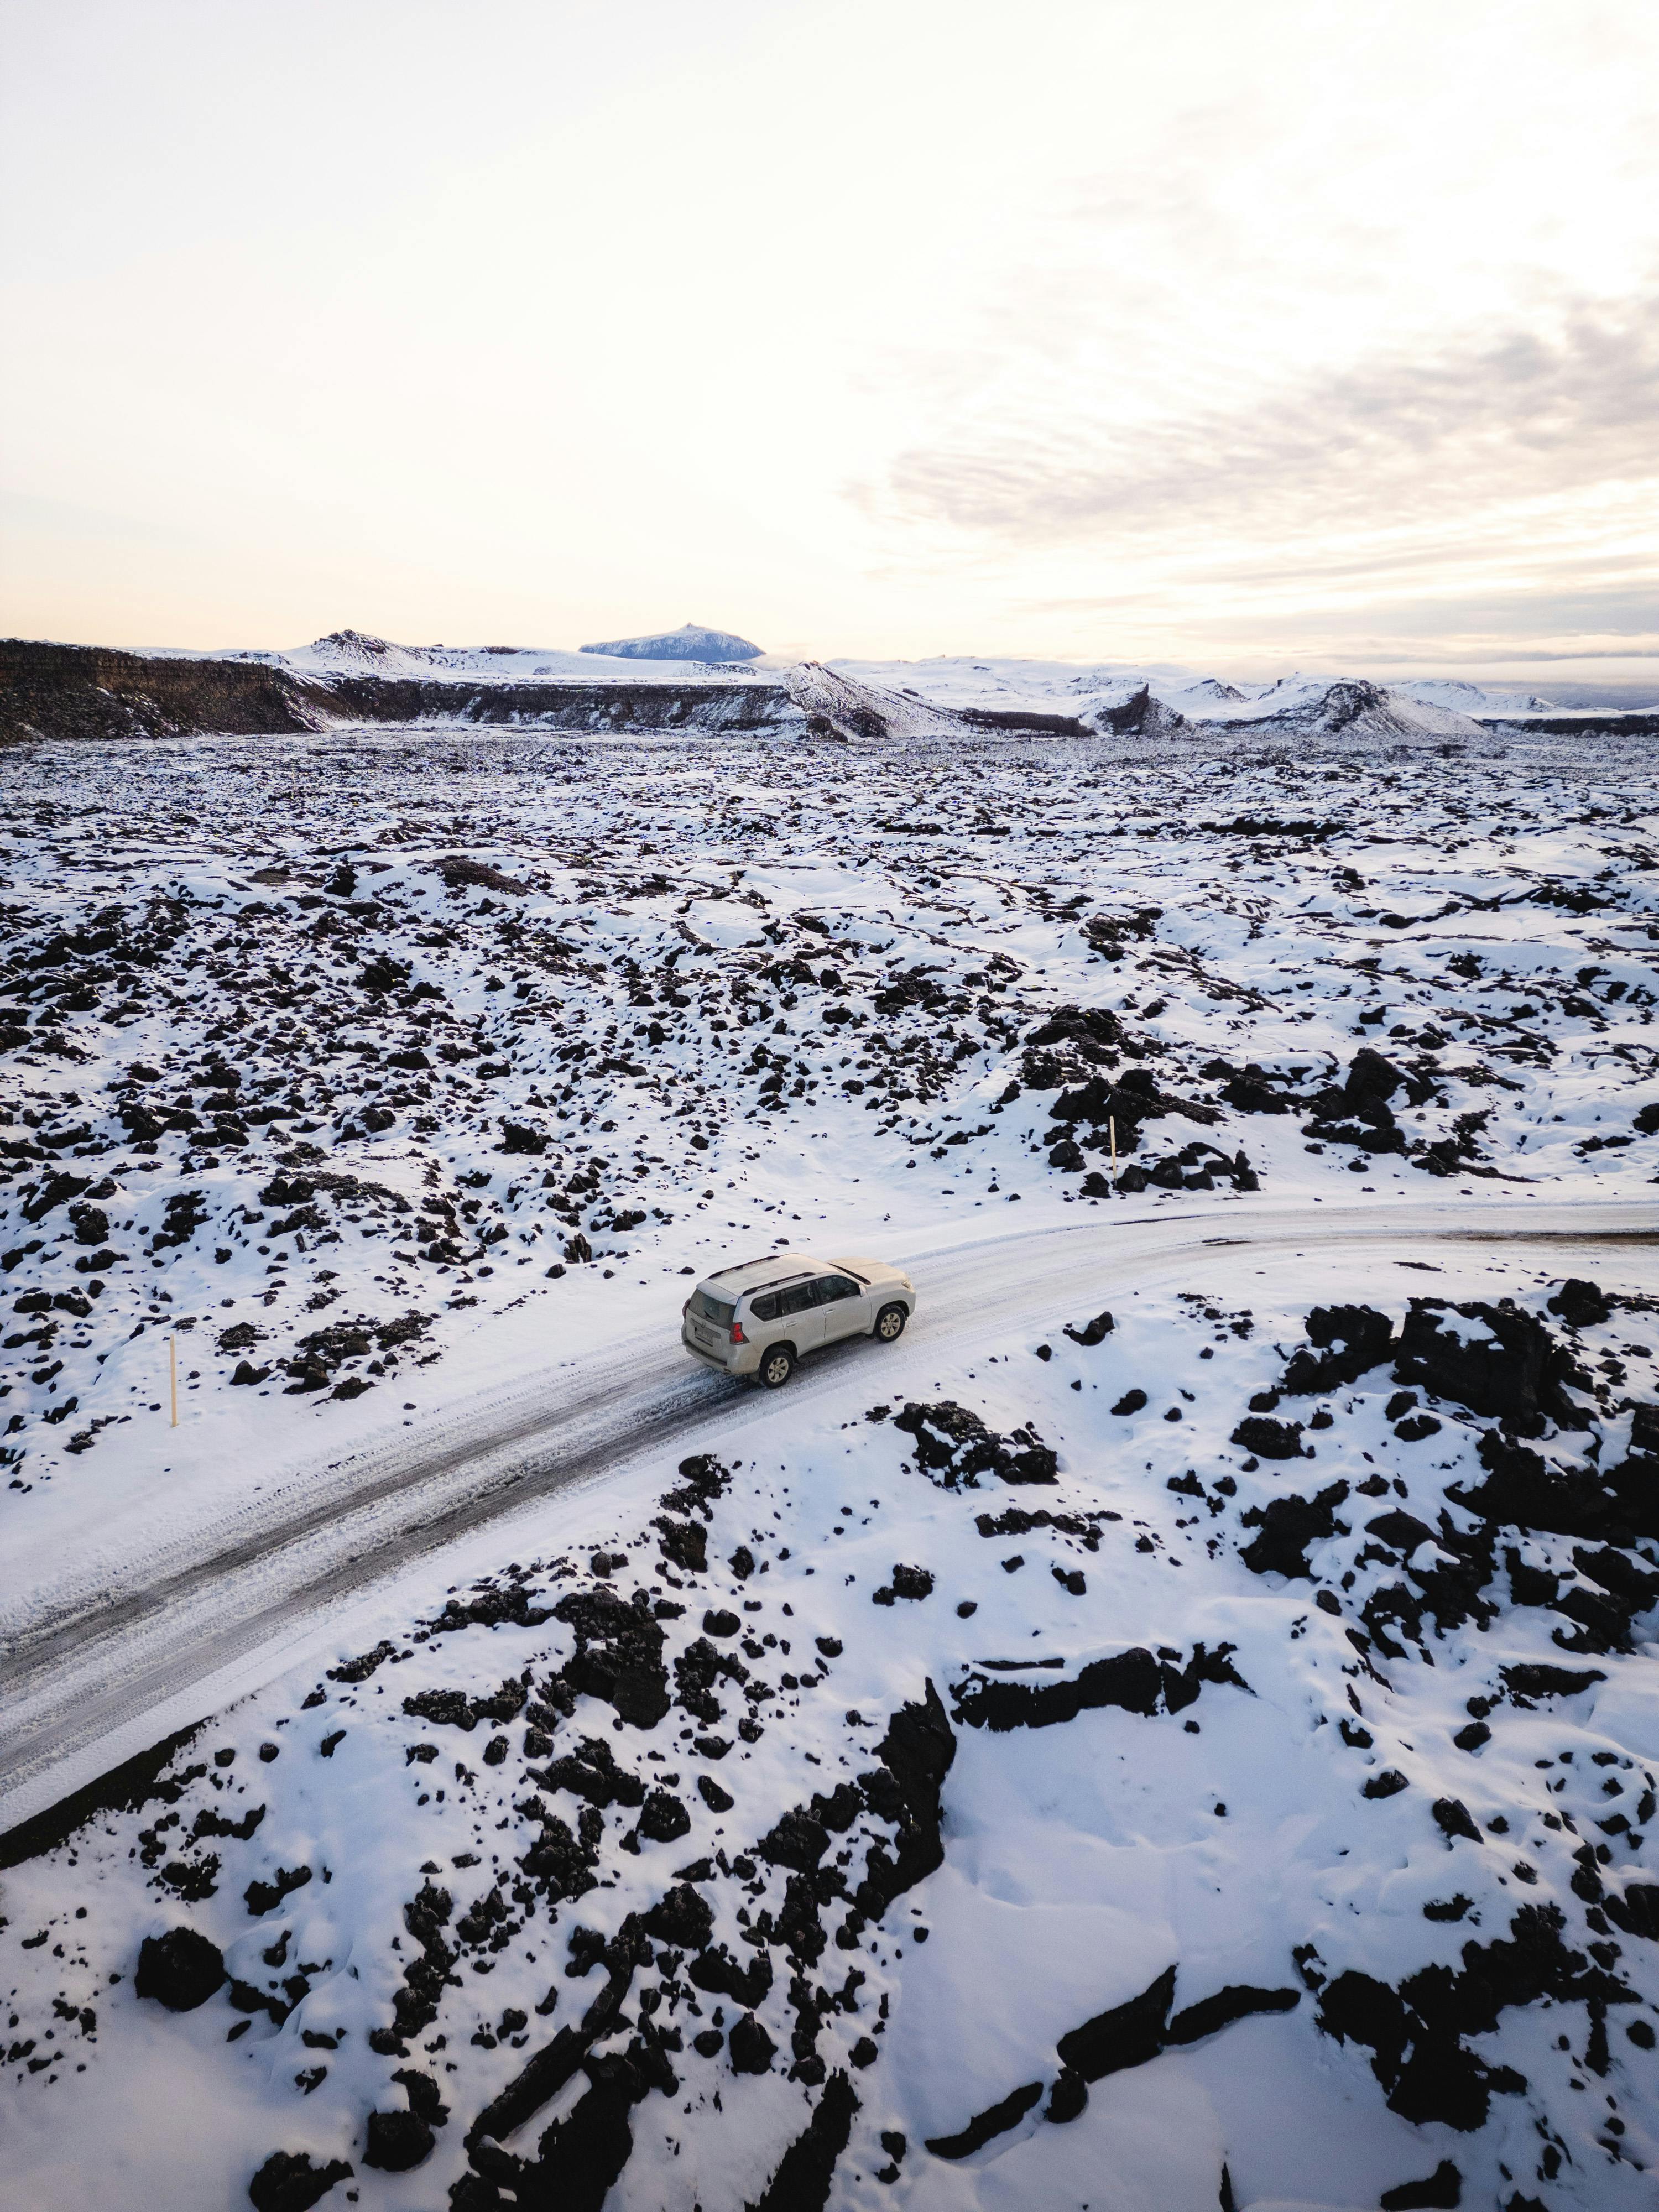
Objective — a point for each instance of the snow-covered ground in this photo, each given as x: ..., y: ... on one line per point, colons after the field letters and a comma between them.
x: 368, y: 1072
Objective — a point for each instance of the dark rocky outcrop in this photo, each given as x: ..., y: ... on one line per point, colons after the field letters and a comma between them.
x: 1443, y: 2188
x: 1128, y: 2035
x: 591, y: 1773
x: 1528, y: 1680
x: 1359, y: 1113
x: 397, y: 2142
x: 985, y: 2126
x: 954, y: 1448
x: 548, y: 2069
x: 1238, y: 2001
x: 618, y: 1654
x: 719, y: 1974
x: 289, y: 2182
x: 454, y: 1709
x: 915, y: 1754
x: 91, y: 692
x: 1416, y: 2033
x: 1133, y: 1680
x: 78, y: 692
x: 750, y: 2048
x: 1266, y: 1438
x: 1288, y: 1526
x: 180, y: 1969
x: 1504, y: 1364
x: 1350, y: 1341
x: 1100, y: 1103
x: 1581, y: 1304
x: 681, y: 1917
x: 1524, y: 1491
x: 1092, y: 1332
x: 802, y: 2181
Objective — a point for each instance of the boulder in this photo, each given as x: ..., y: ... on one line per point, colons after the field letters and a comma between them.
x: 180, y: 1969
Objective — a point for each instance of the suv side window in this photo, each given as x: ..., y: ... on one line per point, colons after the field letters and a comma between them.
x: 766, y: 1308
x: 830, y: 1288
x: 796, y: 1300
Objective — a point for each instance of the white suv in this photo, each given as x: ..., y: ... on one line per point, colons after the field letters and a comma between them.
x: 758, y: 1316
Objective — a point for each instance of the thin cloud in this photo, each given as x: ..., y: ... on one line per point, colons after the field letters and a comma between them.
x: 1525, y: 415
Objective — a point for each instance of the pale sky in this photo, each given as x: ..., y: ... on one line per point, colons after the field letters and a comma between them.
x: 1251, y: 334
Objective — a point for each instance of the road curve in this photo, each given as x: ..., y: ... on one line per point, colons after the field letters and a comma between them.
x: 91, y: 1673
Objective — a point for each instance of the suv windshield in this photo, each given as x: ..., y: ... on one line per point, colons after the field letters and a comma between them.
x: 714, y: 1309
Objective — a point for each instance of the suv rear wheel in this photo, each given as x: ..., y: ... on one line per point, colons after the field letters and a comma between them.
x: 890, y: 1324
x: 776, y: 1366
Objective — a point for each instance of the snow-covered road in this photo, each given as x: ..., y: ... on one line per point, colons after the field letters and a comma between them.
x: 92, y: 1673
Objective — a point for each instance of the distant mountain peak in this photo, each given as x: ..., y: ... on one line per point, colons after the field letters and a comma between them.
x: 691, y: 642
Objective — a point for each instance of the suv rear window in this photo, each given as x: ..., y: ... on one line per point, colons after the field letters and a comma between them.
x: 714, y: 1309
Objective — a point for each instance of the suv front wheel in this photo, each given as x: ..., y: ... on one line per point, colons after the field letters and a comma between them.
x: 890, y: 1324
x: 776, y: 1366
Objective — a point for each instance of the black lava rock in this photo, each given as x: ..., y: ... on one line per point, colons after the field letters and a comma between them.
x: 1288, y: 1526
x: 1352, y: 1340
x: 985, y: 2126
x: 663, y: 1817
x: 797, y: 1841
x: 591, y: 1773
x: 1268, y: 1439
x: 1530, y: 1680
x: 954, y: 1448
x: 1068, y: 2097
x: 682, y: 1918
x: 751, y: 2048
x: 1127, y: 2035
x: 1238, y: 2001
x: 397, y: 2142
x: 618, y: 1655
x: 180, y: 1969
x: 1581, y: 1304
x: 1443, y: 2187
x: 1453, y: 1817
x: 1507, y: 1365
x: 1093, y: 1332
x: 289, y: 2182
x: 802, y: 2181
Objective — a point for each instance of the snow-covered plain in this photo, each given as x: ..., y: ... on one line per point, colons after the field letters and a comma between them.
x: 368, y: 1069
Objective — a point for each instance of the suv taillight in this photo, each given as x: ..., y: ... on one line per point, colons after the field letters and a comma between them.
x: 737, y: 1336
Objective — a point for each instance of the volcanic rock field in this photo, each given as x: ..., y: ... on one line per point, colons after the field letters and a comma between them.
x: 1118, y: 1819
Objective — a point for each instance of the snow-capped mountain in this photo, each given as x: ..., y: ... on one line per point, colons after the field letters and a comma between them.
x: 690, y: 641
x: 358, y: 654
x: 954, y: 684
